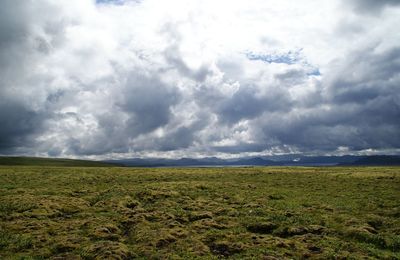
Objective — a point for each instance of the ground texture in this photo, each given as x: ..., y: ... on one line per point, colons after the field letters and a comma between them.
x: 208, y: 213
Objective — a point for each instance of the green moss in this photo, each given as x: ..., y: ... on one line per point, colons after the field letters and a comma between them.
x: 262, y: 227
x: 189, y: 213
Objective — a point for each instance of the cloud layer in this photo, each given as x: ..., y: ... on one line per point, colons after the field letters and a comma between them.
x: 200, y: 78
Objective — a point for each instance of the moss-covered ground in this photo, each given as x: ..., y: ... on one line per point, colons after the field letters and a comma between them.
x: 203, y: 213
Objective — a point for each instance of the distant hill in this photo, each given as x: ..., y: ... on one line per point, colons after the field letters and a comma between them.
x: 384, y: 160
x: 287, y: 160
x: 299, y: 160
x: 38, y: 161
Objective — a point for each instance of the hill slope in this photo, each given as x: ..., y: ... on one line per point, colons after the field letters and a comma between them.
x: 383, y: 160
x: 37, y: 161
x: 287, y: 160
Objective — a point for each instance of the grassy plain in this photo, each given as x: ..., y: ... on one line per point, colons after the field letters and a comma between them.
x: 205, y: 213
x: 60, y: 162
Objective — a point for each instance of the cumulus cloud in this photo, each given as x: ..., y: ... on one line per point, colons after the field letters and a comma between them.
x: 373, y: 7
x: 121, y: 78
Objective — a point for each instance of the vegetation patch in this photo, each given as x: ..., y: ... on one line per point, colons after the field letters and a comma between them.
x: 262, y: 228
x: 53, y: 212
x: 106, y: 250
x: 225, y: 248
x: 194, y: 216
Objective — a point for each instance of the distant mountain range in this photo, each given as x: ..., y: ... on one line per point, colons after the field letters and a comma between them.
x: 282, y: 160
x: 279, y: 160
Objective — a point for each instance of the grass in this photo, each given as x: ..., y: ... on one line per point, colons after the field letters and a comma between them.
x: 203, y: 213
x: 61, y: 162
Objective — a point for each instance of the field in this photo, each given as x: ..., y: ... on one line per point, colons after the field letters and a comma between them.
x: 61, y: 162
x: 207, y: 213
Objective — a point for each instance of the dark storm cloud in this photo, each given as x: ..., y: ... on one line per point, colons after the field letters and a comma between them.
x: 25, y: 40
x: 146, y: 106
x: 13, y: 40
x: 181, y: 137
x: 367, y: 76
x: 18, y: 124
x: 359, y: 108
x: 12, y: 27
x: 246, y: 103
x: 241, y: 148
x: 19, y: 121
x: 373, y: 6
x: 110, y: 136
x: 326, y: 130
x: 377, y: 78
x: 148, y: 102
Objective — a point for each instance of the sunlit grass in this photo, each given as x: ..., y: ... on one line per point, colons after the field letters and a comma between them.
x: 282, y: 212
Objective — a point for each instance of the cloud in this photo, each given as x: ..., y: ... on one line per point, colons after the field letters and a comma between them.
x: 148, y: 103
x: 359, y: 108
x: 373, y: 7
x: 18, y: 124
x: 246, y: 103
x: 107, y: 79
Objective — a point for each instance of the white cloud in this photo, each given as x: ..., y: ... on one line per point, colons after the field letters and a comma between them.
x: 175, y: 77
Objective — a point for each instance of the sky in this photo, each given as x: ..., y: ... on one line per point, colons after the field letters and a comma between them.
x: 178, y: 78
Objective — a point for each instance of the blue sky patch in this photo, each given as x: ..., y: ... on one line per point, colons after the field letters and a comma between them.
x: 314, y: 72
x: 290, y: 57
x: 114, y: 2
